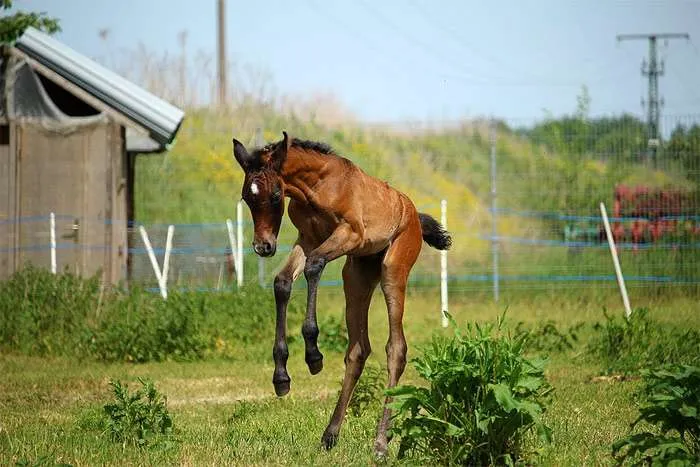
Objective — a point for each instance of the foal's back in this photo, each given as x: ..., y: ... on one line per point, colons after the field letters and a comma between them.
x: 345, y: 193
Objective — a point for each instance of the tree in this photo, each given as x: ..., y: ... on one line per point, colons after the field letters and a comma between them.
x: 684, y: 146
x: 583, y: 104
x: 12, y: 26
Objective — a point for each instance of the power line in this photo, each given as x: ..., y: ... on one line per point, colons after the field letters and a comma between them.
x: 417, y: 42
x: 475, y: 78
x: 465, y: 75
x: 390, y: 59
x: 695, y: 48
x: 458, y: 38
x: 684, y: 83
x: 388, y: 62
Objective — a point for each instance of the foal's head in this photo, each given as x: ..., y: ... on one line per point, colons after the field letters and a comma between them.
x: 263, y: 190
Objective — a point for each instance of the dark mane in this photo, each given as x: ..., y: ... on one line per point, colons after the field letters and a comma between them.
x: 306, y: 145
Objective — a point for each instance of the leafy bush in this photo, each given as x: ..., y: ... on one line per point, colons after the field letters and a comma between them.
x: 368, y: 391
x: 65, y: 315
x: 547, y: 337
x: 42, y: 313
x: 138, y: 418
x: 333, y: 334
x: 245, y: 316
x: 672, y: 403
x: 628, y: 346
x: 483, y: 396
x: 142, y: 327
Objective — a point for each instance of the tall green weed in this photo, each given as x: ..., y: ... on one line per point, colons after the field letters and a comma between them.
x: 137, y: 418
x: 482, y: 396
x: 672, y: 404
x: 630, y: 345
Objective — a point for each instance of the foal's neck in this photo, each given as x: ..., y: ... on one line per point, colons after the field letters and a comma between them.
x: 301, y: 171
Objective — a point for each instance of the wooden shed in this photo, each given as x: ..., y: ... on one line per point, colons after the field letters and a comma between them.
x: 70, y: 130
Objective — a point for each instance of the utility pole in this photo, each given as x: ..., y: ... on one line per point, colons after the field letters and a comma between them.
x: 221, y: 62
x: 652, y: 70
x: 182, y: 39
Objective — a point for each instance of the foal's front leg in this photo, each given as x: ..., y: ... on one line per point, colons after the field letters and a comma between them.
x: 341, y: 241
x: 283, y: 289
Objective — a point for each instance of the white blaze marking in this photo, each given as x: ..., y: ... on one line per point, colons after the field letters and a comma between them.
x: 254, y: 189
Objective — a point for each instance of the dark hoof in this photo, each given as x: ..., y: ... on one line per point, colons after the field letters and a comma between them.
x: 314, y: 360
x: 328, y: 440
x: 316, y: 366
x: 282, y: 388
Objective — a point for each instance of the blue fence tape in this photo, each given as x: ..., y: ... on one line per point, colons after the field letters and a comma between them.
x: 46, y: 218
x: 286, y: 248
x: 483, y: 278
x: 221, y: 225
x: 563, y: 243
x: 506, y: 211
x: 567, y: 217
x: 59, y: 246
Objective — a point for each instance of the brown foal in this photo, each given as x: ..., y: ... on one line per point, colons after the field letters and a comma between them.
x: 338, y: 210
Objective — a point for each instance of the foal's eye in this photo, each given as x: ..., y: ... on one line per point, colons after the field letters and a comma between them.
x: 276, y: 197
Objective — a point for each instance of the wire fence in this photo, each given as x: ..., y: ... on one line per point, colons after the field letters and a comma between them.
x: 560, y: 257
x: 547, y: 229
x: 527, y: 218
x: 201, y: 256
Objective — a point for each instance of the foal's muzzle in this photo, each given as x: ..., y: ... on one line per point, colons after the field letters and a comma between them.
x: 265, y: 248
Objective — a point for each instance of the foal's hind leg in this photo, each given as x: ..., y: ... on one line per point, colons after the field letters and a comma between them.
x: 283, y: 289
x: 399, y: 259
x: 360, y: 278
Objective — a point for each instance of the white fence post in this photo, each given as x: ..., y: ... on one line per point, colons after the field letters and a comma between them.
x: 52, y: 229
x: 162, y: 277
x: 234, y: 251
x: 443, y: 268
x: 166, y: 259
x: 239, y: 242
x: 616, y: 262
x: 236, y: 242
x: 494, y: 212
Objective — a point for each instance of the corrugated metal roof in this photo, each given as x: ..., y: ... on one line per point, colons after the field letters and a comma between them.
x: 160, y: 118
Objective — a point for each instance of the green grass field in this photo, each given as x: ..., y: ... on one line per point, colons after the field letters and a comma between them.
x: 225, y: 413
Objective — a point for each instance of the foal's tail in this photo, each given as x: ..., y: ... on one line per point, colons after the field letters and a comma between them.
x: 434, y: 234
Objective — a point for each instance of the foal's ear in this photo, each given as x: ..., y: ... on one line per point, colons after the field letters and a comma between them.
x: 280, y: 153
x: 244, y: 159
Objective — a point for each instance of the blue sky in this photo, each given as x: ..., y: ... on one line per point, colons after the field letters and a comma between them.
x: 393, y: 60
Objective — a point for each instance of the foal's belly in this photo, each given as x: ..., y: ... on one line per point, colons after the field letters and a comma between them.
x: 378, y: 229
x: 371, y: 247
